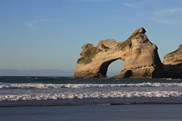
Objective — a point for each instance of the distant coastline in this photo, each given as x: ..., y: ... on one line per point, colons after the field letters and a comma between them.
x: 35, y: 73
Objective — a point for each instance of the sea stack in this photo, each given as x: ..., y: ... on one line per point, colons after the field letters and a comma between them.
x: 140, y: 56
x: 173, y: 64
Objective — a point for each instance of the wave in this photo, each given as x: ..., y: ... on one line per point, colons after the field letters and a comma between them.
x: 128, y: 92
x: 88, y: 95
x: 49, y: 86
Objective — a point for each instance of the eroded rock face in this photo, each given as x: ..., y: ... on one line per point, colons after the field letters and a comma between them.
x: 173, y: 64
x: 140, y: 58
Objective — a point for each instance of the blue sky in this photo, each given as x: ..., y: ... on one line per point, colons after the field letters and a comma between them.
x: 48, y: 34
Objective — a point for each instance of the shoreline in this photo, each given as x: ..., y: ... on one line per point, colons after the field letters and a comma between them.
x: 92, y: 102
x: 94, y: 113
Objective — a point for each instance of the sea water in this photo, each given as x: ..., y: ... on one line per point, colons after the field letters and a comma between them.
x: 22, y: 91
x: 73, y: 99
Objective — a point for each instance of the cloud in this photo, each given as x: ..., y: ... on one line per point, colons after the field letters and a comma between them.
x: 169, y: 16
x: 162, y: 21
x: 129, y: 5
x: 169, y: 11
x: 168, y: 21
x: 34, y: 24
x: 90, y: 1
x: 135, y: 4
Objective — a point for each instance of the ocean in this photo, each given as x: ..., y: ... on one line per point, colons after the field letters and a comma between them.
x: 68, y: 99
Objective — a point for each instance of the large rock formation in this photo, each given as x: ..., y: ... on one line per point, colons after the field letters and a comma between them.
x: 173, y: 64
x: 140, y: 58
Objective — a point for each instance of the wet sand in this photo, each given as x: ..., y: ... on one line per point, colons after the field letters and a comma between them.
x: 144, y: 112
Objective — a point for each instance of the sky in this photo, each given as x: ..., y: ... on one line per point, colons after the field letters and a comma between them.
x: 48, y: 34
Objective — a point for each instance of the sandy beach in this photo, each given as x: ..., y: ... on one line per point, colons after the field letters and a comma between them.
x: 143, y: 112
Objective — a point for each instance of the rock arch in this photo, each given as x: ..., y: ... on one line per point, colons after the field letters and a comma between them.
x: 114, y: 67
x: 140, y: 58
x: 104, y: 67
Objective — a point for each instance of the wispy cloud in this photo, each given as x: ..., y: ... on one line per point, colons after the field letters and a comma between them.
x: 135, y: 4
x: 91, y: 1
x: 169, y: 16
x: 34, y: 24
x: 168, y: 21
x: 129, y: 5
x: 162, y: 21
x: 169, y: 11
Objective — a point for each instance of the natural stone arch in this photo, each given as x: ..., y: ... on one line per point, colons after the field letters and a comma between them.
x: 140, y: 56
x: 115, y: 68
x: 104, y: 67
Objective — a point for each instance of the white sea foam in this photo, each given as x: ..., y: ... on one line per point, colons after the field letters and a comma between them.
x: 112, y: 94
x: 41, y: 91
x: 44, y: 86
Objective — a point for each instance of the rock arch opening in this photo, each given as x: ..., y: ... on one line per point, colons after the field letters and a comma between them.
x: 111, y: 68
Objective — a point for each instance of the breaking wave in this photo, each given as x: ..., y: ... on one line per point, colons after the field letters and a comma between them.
x: 112, y: 94
x: 48, y: 90
x: 50, y: 86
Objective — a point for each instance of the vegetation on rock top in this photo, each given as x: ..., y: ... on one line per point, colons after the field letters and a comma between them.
x: 88, y: 52
x: 173, y: 52
x: 127, y: 42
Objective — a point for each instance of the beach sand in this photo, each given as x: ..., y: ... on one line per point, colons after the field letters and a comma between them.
x: 143, y: 112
